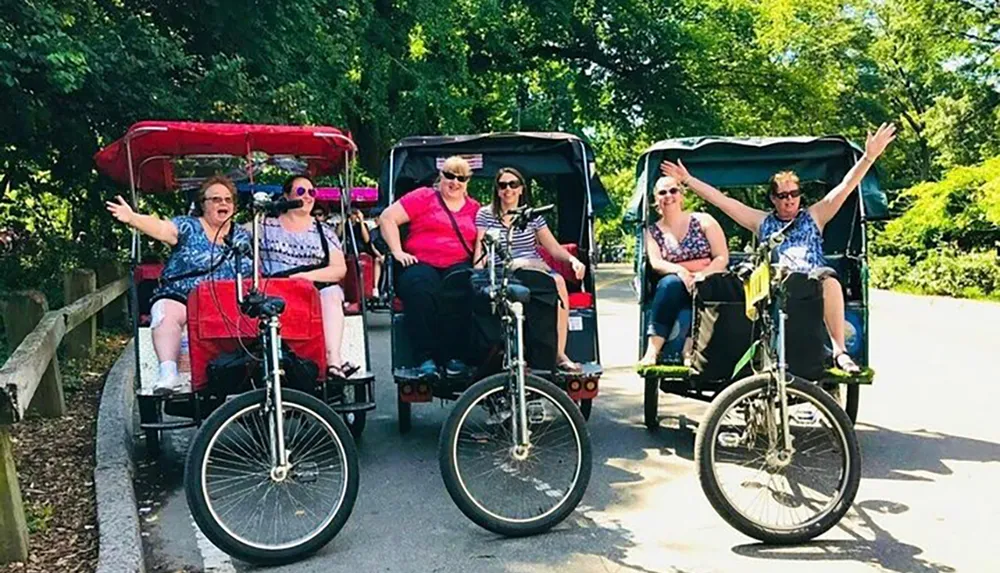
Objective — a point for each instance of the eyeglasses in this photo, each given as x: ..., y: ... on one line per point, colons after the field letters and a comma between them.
x: 788, y: 194
x: 672, y: 191
x: 219, y: 200
x: 300, y: 191
x: 501, y: 185
x: 451, y: 176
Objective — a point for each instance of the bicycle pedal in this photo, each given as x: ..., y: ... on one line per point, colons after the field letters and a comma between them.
x: 806, y: 417
x: 306, y: 472
x: 536, y: 412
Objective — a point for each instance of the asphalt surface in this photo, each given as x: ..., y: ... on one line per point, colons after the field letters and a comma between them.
x: 927, y: 500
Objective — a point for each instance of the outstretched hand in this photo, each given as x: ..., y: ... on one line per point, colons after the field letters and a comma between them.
x: 876, y: 144
x: 120, y: 210
x: 675, y: 170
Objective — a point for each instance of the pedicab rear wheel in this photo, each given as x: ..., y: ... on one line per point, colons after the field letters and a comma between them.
x: 651, y: 403
x: 403, y: 413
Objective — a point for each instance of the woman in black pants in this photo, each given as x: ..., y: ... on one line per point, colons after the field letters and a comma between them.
x: 442, y: 231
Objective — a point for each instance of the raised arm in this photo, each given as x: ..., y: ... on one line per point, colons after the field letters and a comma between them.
x: 746, y: 217
x: 827, y: 207
x: 389, y: 222
x: 150, y: 225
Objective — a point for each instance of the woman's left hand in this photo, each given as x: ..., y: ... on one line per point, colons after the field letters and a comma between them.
x: 579, y: 269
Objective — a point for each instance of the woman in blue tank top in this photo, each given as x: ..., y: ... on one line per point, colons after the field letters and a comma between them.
x: 802, y: 249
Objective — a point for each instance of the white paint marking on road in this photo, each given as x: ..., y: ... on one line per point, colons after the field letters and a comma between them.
x: 213, y: 559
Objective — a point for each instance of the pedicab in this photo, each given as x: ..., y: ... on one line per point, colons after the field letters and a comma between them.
x: 257, y: 384
x: 708, y: 339
x: 565, y: 165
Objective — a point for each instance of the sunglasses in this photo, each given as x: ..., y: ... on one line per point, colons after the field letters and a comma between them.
x: 672, y: 191
x: 451, y: 176
x: 300, y: 191
x: 501, y: 185
x: 788, y: 194
x: 219, y: 200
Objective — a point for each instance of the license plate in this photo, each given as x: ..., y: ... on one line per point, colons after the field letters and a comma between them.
x: 757, y: 289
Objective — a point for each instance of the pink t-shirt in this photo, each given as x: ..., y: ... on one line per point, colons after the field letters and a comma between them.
x: 431, y: 237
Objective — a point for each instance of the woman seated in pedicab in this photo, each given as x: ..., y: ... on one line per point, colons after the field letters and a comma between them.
x: 442, y: 230
x: 508, y: 193
x: 297, y: 245
x: 683, y: 247
x: 802, y: 249
x: 197, y: 253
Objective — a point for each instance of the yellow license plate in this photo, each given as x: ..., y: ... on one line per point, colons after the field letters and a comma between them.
x: 756, y: 289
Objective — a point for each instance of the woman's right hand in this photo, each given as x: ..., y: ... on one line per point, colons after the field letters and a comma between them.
x: 121, y: 210
x: 404, y: 258
x: 688, y: 278
x: 675, y: 170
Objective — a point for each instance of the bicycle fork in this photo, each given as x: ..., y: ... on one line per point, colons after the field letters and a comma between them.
x: 276, y: 421
x: 782, y: 383
x: 521, y: 444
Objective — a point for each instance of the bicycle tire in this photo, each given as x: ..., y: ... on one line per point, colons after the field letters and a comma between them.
x: 221, y: 534
x: 707, y: 439
x: 448, y: 458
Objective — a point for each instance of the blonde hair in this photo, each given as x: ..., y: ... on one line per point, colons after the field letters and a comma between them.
x: 662, y: 182
x: 456, y: 164
x: 782, y: 177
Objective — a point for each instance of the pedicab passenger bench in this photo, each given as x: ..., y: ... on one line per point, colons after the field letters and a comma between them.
x: 216, y: 326
x: 581, y: 345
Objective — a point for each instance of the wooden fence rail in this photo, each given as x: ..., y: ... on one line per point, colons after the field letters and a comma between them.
x: 32, y: 372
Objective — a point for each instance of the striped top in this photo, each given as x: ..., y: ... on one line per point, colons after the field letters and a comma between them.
x: 524, y: 244
x: 284, y: 253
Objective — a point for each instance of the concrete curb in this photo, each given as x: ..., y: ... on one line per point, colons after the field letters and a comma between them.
x: 117, y: 518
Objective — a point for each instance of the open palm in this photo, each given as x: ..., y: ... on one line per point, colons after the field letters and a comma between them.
x: 876, y: 144
x: 675, y: 170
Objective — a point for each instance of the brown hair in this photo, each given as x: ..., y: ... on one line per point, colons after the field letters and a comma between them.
x: 286, y: 187
x: 213, y: 180
x: 782, y: 177
x: 495, y: 204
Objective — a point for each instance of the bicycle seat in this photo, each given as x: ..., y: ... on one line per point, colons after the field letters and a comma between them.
x: 518, y: 293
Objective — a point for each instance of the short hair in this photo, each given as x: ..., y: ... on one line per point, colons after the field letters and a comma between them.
x: 457, y: 164
x: 782, y: 177
x: 213, y: 180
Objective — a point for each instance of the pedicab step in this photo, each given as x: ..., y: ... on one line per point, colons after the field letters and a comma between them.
x: 355, y: 407
x: 356, y: 379
x: 830, y: 375
x: 169, y: 425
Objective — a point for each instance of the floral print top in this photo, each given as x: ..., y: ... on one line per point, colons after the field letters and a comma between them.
x: 802, y: 249
x: 694, y: 244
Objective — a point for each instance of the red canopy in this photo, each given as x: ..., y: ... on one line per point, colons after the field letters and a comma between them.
x: 155, y: 144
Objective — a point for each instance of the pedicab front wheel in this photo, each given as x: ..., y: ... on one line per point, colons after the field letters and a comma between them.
x: 255, y: 511
x: 763, y: 490
x: 505, y: 488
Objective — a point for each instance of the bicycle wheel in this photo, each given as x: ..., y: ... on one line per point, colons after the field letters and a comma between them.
x: 766, y: 495
x: 241, y: 508
x: 507, y: 494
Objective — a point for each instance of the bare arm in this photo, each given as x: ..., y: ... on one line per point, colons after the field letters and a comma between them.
x: 717, y: 243
x: 151, y: 225
x: 389, y: 222
x: 558, y: 252
x: 332, y: 273
x: 747, y: 217
x: 656, y: 260
x: 827, y: 207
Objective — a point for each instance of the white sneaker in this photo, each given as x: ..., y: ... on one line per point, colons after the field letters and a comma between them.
x: 166, y: 385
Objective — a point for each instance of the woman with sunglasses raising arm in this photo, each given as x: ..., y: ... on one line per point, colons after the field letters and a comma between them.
x: 297, y: 245
x: 442, y: 230
x: 802, y: 250
x: 682, y: 248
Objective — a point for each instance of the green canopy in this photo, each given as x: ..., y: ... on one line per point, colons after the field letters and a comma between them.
x: 745, y: 161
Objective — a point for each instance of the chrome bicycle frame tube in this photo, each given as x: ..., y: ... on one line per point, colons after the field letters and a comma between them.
x: 522, y: 414
x: 274, y: 342
x: 782, y: 381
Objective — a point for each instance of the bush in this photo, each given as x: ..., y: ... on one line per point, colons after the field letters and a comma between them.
x: 945, y: 271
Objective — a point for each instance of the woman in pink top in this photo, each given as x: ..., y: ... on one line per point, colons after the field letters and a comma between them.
x: 441, y: 233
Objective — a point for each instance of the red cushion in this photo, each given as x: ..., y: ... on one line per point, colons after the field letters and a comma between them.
x: 215, y: 324
x: 581, y: 300
x: 148, y: 272
x: 397, y: 304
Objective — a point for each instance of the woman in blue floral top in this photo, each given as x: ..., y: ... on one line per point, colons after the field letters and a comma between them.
x: 197, y: 253
x: 802, y: 249
x: 682, y: 247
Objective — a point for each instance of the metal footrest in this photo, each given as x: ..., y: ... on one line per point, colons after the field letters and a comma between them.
x: 355, y: 407
x: 169, y: 425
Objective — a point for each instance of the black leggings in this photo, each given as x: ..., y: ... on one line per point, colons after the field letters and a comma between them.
x: 437, y: 322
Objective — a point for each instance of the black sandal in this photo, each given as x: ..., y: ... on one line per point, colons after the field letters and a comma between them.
x: 345, y: 370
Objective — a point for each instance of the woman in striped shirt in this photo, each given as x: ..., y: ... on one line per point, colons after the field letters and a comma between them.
x: 508, y: 193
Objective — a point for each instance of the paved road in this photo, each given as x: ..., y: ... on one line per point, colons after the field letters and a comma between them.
x: 927, y: 500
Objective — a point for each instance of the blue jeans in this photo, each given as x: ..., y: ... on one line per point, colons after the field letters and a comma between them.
x: 671, y: 296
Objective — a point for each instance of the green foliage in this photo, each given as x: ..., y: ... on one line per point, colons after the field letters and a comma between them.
x: 39, y: 517
x: 946, y: 272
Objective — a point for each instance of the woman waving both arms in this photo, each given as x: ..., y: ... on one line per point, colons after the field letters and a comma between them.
x: 802, y: 250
